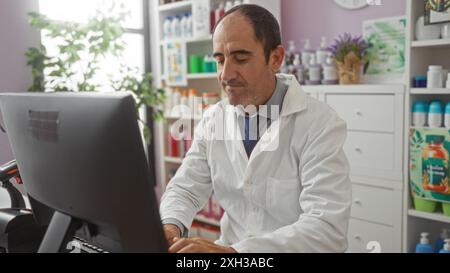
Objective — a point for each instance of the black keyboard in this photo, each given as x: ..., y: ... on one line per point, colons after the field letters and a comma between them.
x: 79, y: 245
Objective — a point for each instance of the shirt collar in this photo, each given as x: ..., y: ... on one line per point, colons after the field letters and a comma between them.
x: 276, y: 100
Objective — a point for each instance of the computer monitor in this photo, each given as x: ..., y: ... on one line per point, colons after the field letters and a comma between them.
x: 82, y: 155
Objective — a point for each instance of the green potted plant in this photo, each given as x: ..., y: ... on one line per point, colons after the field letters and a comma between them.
x: 76, y: 62
x: 349, y: 53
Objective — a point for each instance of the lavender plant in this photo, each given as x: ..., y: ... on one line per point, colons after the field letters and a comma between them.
x: 345, y: 44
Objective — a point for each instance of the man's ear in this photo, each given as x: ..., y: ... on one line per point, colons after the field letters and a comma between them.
x: 277, y: 58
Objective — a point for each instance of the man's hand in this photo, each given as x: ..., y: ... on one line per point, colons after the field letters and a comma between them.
x: 197, y: 245
x: 171, y: 232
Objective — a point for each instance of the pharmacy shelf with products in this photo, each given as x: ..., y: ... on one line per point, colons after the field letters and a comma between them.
x: 190, y: 23
x: 427, y: 190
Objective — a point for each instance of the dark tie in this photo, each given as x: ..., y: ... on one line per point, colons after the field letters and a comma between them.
x: 248, y: 143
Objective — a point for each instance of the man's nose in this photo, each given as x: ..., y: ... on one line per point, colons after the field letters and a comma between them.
x: 228, y: 72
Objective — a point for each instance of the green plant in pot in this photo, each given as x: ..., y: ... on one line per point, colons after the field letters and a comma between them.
x: 75, y: 64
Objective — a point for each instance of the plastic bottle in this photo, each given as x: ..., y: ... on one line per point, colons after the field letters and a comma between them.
x: 447, y: 85
x: 183, y: 26
x: 167, y: 33
x: 447, y: 116
x: 291, y: 52
x: 435, y: 115
x: 435, y: 159
x: 176, y: 28
x: 228, y: 6
x: 424, y: 245
x: 192, y: 101
x: 314, y: 71
x: 322, y: 52
x: 212, y: 19
x: 446, y: 248
x: 330, y: 72
x: 173, y: 148
x: 419, y: 116
x: 220, y: 12
x: 435, y: 76
x: 307, y: 53
x: 441, y: 240
x: 298, y: 69
x: 189, y: 24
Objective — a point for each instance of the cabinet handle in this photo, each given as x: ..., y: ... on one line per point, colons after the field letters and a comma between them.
x: 358, y: 112
x: 357, y: 237
x: 357, y: 202
x: 358, y: 149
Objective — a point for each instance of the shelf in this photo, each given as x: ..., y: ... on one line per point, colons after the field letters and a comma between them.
x: 181, y: 5
x: 439, y: 217
x: 201, y: 76
x: 432, y: 43
x: 198, y: 76
x: 189, y: 40
x: 430, y: 91
x: 195, y: 118
x: 175, y: 160
x: 208, y: 221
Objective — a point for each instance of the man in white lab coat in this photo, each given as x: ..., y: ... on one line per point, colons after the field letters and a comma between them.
x: 277, y: 169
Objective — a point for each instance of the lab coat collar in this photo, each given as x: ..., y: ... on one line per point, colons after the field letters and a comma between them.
x: 295, y: 99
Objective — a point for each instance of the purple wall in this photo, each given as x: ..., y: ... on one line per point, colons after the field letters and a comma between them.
x: 312, y: 19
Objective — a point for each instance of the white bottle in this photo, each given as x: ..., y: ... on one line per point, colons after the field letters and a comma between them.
x: 435, y: 114
x: 314, y: 71
x: 330, y: 72
x: 176, y: 102
x: 298, y: 70
x: 435, y: 76
x: 190, y: 28
x: 184, y: 27
x: 447, y: 116
x: 228, y: 6
x: 291, y: 52
x: 176, y: 28
x: 322, y: 52
x: 307, y: 53
x: 448, y: 81
x: 167, y: 28
x: 419, y: 114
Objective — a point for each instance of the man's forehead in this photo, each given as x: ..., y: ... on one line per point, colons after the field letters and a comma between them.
x: 234, y: 28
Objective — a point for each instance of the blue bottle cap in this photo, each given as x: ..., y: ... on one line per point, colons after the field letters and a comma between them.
x: 436, y: 107
x: 420, y: 78
x: 420, y: 107
x: 447, y: 108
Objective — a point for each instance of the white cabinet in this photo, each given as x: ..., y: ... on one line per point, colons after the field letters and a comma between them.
x: 374, y: 147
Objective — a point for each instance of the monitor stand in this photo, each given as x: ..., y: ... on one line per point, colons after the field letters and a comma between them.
x: 60, y: 232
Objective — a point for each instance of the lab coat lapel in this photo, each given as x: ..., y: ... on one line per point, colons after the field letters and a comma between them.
x: 234, y: 145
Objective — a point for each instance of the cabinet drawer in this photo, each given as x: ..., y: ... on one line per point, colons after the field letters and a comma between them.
x: 372, y: 154
x: 375, y: 204
x: 365, y: 112
x: 361, y: 235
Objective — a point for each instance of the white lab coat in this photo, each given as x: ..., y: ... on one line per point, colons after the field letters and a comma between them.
x: 293, y: 198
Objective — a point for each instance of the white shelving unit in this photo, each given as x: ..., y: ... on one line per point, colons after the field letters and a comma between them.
x: 419, y: 55
x: 427, y: 91
x: 431, y: 43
